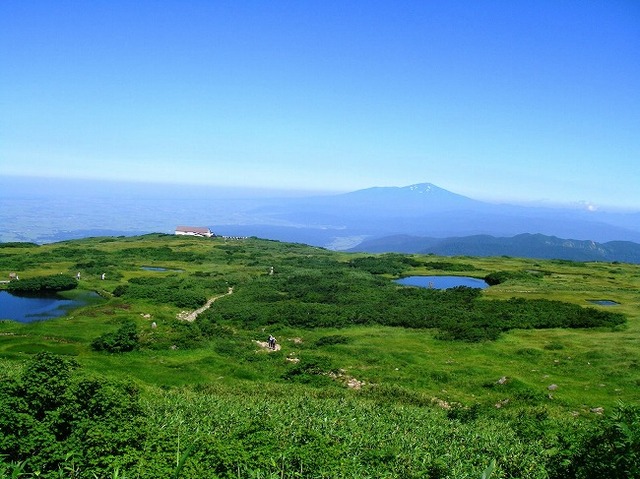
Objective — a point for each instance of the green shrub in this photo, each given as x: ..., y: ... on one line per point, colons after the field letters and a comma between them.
x: 332, y: 339
x: 310, y: 370
x: 120, y: 290
x: 18, y: 244
x: 390, y: 263
x: 346, y: 296
x: 49, y: 414
x: 123, y: 340
x: 188, y: 293
x: 613, y: 448
x: 462, y: 413
x: 43, y: 284
x: 554, y: 346
x: 502, y: 276
x: 450, y: 266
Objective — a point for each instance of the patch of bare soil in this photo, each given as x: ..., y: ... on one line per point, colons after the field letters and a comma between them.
x: 265, y: 345
x: 347, y: 380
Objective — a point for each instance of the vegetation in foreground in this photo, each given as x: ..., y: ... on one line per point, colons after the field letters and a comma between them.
x: 371, y: 379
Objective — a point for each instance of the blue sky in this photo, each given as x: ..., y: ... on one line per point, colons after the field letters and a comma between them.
x: 512, y: 101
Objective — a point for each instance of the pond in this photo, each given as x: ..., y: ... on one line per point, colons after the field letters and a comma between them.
x: 27, y: 309
x: 160, y: 269
x: 442, y: 282
x: 603, y: 302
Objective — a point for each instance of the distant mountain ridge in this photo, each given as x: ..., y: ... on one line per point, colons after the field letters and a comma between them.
x: 525, y: 245
x: 45, y: 211
x: 423, y: 218
x: 427, y: 210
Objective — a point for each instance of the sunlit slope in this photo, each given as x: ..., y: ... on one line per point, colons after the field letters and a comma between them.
x: 340, y: 321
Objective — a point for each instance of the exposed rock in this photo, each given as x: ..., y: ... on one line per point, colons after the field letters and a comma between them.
x: 353, y: 383
x: 597, y: 410
x: 442, y: 403
x: 349, y: 381
x: 552, y: 387
x: 502, y: 380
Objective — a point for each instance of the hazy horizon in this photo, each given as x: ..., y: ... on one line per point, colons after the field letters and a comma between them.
x: 17, y: 186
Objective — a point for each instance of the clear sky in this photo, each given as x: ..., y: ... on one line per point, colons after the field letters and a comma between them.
x: 497, y: 100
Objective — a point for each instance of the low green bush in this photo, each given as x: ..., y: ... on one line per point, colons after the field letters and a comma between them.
x: 18, y: 244
x: 390, y: 263
x: 500, y: 277
x: 189, y: 292
x: 614, y: 449
x: 345, y: 297
x: 53, y: 419
x: 449, y: 266
x: 43, y: 284
x: 123, y: 340
x: 332, y: 339
x: 609, y: 448
x: 311, y: 370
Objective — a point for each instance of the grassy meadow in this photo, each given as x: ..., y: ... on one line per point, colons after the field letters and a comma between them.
x: 371, y: 379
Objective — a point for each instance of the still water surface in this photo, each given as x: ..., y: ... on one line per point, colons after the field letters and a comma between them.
x: 160, y: 269
x: 26, y: 309
x: 603, y: 302
x: 442, y: 282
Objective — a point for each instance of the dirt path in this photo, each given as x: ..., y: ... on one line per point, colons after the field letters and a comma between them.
x: 265, y: 345
x: 191, y: 316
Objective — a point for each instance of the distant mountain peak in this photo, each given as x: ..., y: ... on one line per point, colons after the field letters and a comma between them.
x: 421, y: 187
x: 432, y: 190
x: 403, y: 190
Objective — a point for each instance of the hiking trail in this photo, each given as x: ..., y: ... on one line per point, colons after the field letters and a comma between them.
x: 191, y: 316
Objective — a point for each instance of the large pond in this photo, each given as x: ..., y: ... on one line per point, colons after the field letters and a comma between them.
x: 26, y: 309
x: 442, y: 282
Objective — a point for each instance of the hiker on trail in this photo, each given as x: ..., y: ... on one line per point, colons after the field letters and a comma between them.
x: 272, y: 342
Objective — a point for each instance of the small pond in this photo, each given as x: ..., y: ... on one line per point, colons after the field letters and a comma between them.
x: 442, y: 282
x: 160, y: 269
x: 603, y: 302
x: 27, y: 309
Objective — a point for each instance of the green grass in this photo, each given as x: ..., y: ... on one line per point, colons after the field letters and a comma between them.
x: 596, y: 367
x: 210, y: 386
